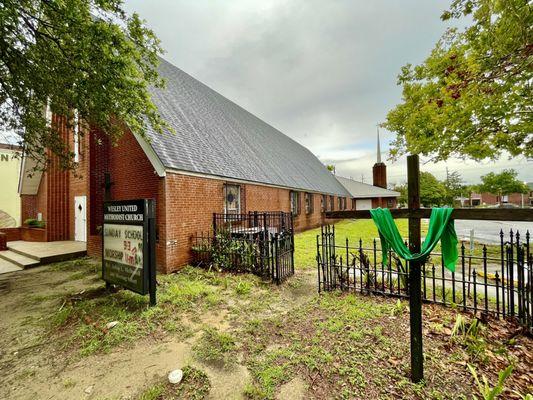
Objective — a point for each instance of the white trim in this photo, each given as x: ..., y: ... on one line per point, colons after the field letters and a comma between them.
x: 76, y: 137
x: 48, y: 114
x: 236, y: 180
x: 151, y: 155
x: 376, y: 195
x: 21, y: 173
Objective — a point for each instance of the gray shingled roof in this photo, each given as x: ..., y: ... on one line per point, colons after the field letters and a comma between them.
x: 360, y: 190
x: 215, y: 136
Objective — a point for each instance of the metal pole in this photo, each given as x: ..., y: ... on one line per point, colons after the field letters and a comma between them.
x: 415, y: 301
x: 151, y: 244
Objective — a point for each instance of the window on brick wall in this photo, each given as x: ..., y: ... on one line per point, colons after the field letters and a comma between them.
x: 331, y: 203
x: 308, y: 203
x: 390, y: 203
x: 295, y: 203
x: 339, y: 203
x: 232, y: 199
x: 354, y: 202
x: 323, y: 202
x: 76, y: 137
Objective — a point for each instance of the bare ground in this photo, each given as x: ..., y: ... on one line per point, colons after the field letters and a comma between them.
x: 285, y: 342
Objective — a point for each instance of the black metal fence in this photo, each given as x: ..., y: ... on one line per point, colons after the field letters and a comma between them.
x: 258, y: 242
x: 497, y: 279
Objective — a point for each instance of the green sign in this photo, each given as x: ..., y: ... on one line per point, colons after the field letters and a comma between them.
x: 128, y: 245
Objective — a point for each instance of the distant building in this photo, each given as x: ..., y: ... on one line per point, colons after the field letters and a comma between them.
x: 489, y: 199
x: 365, y: 196
x: 9, y: 197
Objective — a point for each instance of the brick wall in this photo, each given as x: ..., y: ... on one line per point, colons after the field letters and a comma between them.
x: 28, y: 205
x: 191, y: 202
x: 11, y: 233
x: 132, y: 177
x: 384, y: 202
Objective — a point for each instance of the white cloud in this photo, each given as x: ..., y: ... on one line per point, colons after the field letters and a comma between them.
x: 322, y: 72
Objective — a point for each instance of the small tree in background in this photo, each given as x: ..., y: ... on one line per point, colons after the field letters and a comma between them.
x: 453, y: 186
x: 402, y: 189
x: 503, y: 183
x: 432, y: 191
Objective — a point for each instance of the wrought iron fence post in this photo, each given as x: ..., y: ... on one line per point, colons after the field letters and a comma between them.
x: 474, y: 278
x: 276, y: 244
x: 511, y: 275
x: 502, y: 253
x: 497, y: 279
x: 463, y: 273
x: 318, y: 259
x: 485, y: 278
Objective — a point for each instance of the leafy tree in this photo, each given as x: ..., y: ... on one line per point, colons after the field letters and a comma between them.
x: 472, y: 96
x: 88, y: 56
x: 432, y: 191
x: 453, y: 186
x: 331, y: 168
x: 402, y: 189
x: 503, y: 183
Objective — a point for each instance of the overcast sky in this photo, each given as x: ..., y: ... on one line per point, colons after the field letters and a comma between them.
x: 322, y: 72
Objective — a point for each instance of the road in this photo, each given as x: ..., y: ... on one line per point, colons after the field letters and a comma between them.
x: 489, y: 231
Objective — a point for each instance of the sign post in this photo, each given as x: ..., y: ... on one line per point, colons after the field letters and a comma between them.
x: 128, y: 246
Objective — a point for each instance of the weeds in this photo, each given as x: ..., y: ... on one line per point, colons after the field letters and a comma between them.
x: 484, y: 388
x: 215, y: 347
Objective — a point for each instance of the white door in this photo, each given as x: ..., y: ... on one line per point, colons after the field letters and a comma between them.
x: 363, y: 204
x: 80, y: 218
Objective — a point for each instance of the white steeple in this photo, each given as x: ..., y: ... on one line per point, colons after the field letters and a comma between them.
x: 379, y: 148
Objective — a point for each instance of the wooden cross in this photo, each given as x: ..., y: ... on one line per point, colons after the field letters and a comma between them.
x: 415, y: 213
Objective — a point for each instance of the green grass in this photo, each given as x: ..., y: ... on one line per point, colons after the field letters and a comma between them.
x: 215, y: 347
x: 81, y: 318
x: 365, y: 229
x: 353, y: 230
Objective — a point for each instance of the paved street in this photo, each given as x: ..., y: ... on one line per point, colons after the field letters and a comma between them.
x: 489, y: 231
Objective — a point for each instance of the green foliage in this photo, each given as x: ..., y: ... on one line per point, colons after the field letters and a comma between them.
x: 432, y: 192
x: 399, y: 308
x: 231, y: 254
x: 454, y: 187
x: 34, y: 223
x: 469, y: 335
x: 472, y: 96
x: 503, y: 183
x: 214, y: 347
x: 88, y: 56
x: 484, y: 388
x: 402, y: 189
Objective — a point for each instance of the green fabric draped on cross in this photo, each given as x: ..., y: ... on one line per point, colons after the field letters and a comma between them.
x: 441, y: 227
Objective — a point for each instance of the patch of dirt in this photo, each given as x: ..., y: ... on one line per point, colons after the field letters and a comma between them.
x: 295, y: 389
x: 228, y: 382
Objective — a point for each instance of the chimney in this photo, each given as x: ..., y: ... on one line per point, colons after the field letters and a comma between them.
x: 379, y: 170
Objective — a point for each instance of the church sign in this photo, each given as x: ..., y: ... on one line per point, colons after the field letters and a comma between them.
x: 128, y: 245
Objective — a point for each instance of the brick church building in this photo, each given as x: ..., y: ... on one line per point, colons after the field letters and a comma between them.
x: 220, y: 158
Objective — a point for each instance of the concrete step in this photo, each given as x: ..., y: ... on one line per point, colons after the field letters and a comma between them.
x: 19, y: 260
x: 23, y: 253
x: 8, y: 266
